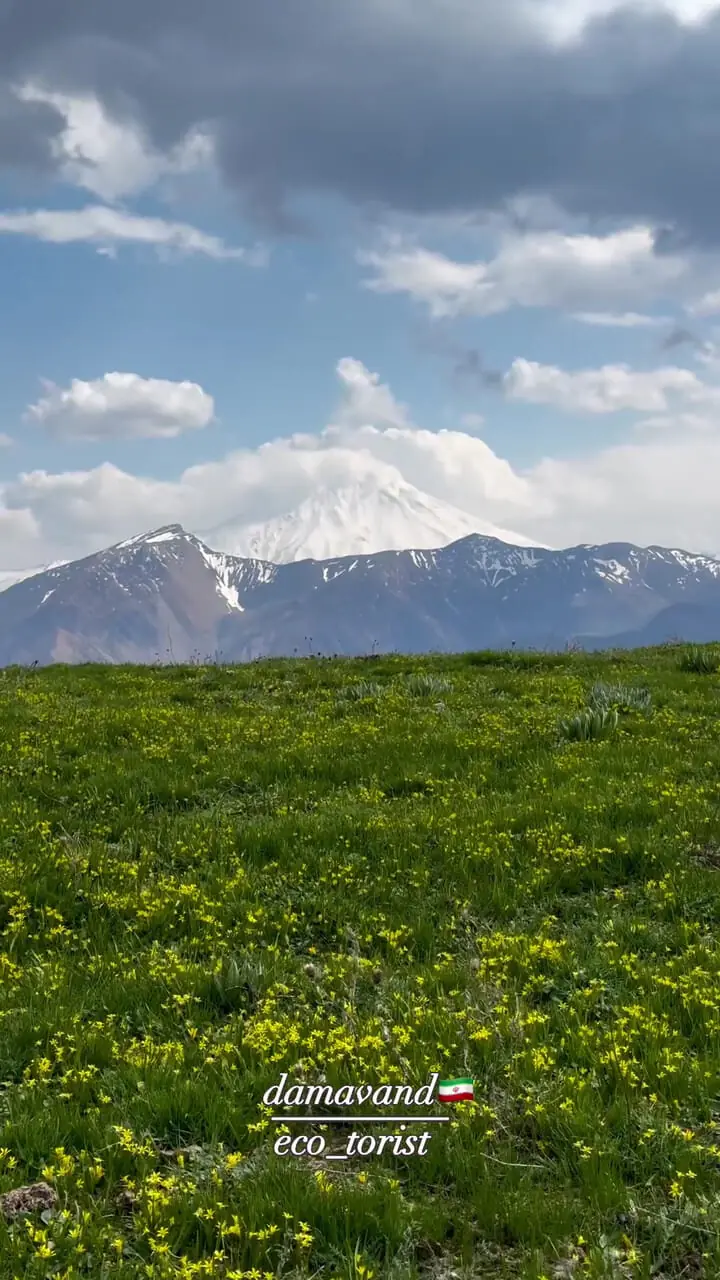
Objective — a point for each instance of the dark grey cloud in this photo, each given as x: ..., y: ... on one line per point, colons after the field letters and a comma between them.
x: 470, y: 364
x: 466, y: 364
x: 419, y: 108
x: 26, y: 135
x: 682, y: 337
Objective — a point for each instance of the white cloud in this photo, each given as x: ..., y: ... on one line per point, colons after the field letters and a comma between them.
x: 5, y: 440
x: 122, y: 406
x: 707, y: 305
x: 366, y: 401
x: 446, y: 287
x: 113, y: 158
x: 708, y: 355
x: 20, y: 530
x: 661, y: 488
x: 683, y: 421
x: 564, y: 20
x: 657, y: 491
x: 609, y: 389
x: 621, y: 319
x: 100, y: 225
x: 541, y: 269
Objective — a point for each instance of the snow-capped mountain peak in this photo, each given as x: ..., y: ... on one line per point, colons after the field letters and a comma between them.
x: 166, y: 533
x: 358, y: 519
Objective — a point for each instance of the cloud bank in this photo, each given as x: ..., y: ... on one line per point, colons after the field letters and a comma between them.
x: 428, y: 107
x: 581, y: 273
x: 660, y: 487
x: 610, y: 389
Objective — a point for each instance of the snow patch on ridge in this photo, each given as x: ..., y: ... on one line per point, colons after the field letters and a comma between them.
x: 229, y: 594
x: 616, y: 572
x: 167, y: 536
x: 223, y: 571
x: 167, y: 533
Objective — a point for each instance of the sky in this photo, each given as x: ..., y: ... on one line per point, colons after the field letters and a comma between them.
x: 251, y: 250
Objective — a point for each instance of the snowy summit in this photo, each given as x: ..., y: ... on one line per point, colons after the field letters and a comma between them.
x: 359, y: 519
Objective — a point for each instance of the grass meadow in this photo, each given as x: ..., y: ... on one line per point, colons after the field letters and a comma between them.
x: 362, y: 871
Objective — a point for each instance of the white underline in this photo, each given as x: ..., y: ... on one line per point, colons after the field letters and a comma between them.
x: 361, y: 1119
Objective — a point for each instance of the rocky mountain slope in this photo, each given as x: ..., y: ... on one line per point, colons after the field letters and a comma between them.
x: 165, y: 595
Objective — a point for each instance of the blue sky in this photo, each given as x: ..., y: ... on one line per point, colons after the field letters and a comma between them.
x: 552, y: 328
x: 265, y: 343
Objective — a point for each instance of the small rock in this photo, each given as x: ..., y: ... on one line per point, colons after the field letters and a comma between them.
x: 193, y: 1152
x: 126, y: 1201
x: 39, y: 1195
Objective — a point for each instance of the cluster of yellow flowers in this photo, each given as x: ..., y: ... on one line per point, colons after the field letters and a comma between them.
x: 211, y: 876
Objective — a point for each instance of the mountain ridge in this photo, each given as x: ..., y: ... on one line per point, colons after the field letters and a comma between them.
x: 166, y: 592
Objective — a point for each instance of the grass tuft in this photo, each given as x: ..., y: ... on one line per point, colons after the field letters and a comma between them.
x: 702, y: 661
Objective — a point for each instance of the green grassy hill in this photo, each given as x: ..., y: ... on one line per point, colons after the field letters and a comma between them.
x: 362, y: 871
